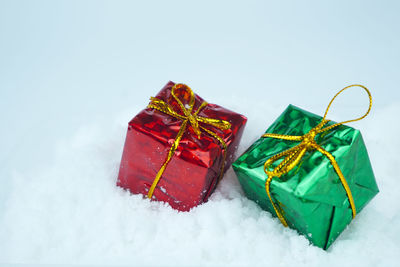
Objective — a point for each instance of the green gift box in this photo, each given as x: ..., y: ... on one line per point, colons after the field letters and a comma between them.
x: 310, y: 196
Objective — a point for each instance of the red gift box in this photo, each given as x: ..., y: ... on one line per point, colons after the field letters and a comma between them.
x: 177, y: 149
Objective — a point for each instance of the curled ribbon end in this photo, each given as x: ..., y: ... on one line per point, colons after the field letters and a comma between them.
x: 226, y: 125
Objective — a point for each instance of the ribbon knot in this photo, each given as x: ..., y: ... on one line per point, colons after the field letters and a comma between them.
x: 195, y: 124
x: 188, y: 117
x: 292, y: 156
x: 308, y: 138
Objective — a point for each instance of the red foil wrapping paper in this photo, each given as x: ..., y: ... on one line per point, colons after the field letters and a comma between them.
x: 192, y: 174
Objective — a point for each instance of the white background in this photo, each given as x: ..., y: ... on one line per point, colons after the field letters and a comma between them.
x: 73, y: 73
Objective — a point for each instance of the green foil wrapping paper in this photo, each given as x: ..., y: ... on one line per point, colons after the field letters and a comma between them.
x: 311, y: 195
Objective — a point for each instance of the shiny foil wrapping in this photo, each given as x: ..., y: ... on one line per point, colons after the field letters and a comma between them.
x: 192, y: 174
x: 311, y: 195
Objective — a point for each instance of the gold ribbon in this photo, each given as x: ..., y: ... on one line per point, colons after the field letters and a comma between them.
x: 188, y: 117
x: 291, y: 157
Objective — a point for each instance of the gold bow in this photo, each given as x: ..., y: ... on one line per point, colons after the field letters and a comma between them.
x: 294, y: 155
x: 188, y: 116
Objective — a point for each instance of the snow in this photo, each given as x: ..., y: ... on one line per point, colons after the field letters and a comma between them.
x: 70, y: 211
x: 69, y: 88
